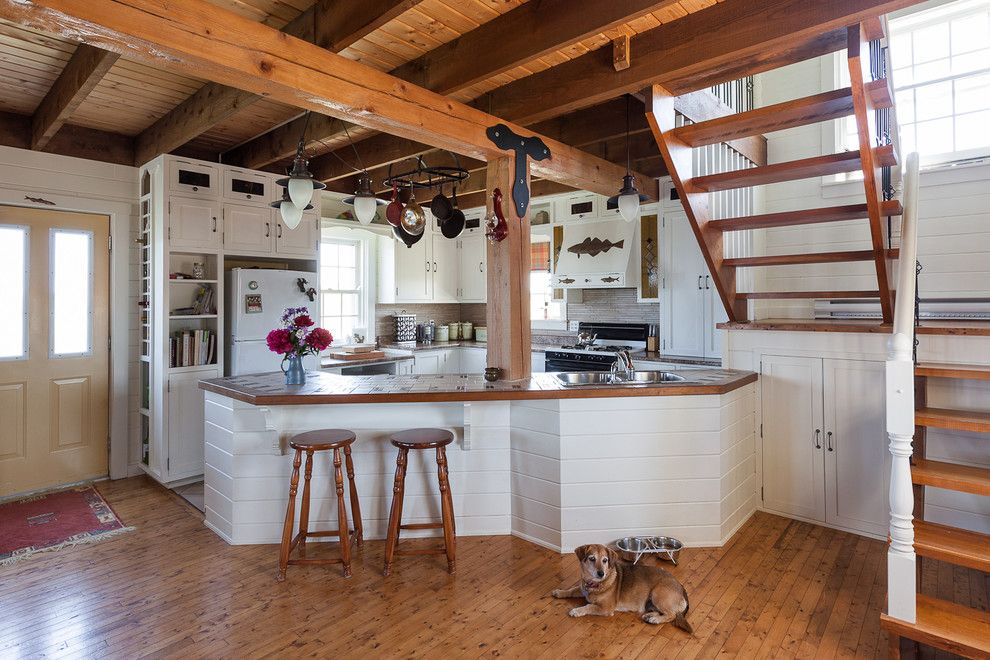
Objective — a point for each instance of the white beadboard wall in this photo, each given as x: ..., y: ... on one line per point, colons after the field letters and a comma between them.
x: 247, y: 482
x: 743, y: 349
x: 39, y: 174
x: 686, y: 468
x: 954, y: 212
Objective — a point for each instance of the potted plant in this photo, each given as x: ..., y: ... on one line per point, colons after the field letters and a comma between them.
x: 295, y: 339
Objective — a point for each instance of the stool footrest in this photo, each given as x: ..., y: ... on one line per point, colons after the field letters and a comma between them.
x: 432, y: 525
x: 422, y: 551
x: 316, y: 562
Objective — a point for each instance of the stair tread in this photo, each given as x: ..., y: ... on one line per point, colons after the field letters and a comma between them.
x: 769, y: 295
x: 777, y: 117
x: 846, y: 161
x: 961, y: 371
x: 956, y: 546
x: 944, y: 625
x: 951, y: 476
x: 946, y: 418
x: 808, y: 217
x: 806, y: 258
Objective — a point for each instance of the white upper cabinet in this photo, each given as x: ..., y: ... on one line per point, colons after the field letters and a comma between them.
x: 248, y: 187
x: 414, y: 271
x: 301, y: 242
x: 248, y: 229
x: 193, y: 179
x: 446, y: 266
x: 193, y: 223
x: 474, y: 271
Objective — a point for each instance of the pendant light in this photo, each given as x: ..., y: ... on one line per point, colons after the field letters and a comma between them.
x: 364, y: 201
x: 628, y: 198
x: 291, y: 214
x: 300, y: 184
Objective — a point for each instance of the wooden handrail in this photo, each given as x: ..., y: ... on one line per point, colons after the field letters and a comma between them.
x: 901, y: 575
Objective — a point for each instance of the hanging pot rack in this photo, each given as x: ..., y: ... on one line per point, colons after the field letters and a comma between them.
x: 425, y: 176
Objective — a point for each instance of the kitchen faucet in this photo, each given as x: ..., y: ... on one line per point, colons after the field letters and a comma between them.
x: 623, y: 363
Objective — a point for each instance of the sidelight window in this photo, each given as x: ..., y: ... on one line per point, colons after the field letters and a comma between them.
x: 71, y: 281
x: 13, y: 292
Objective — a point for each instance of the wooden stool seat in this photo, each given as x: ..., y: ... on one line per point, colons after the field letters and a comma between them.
x: 422, y: 438
x: 322, y: 440
x: 437, y: 439
x: 310, y: 442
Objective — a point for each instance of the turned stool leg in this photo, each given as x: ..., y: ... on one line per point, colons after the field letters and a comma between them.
x: 355, y: 505
x: 345, y: 539
x: 290, y: 512
x: 395, y: 517
x: 304, y: 505
x: 447, y: 508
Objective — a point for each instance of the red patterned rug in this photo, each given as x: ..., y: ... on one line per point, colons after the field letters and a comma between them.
x: 53, y: 521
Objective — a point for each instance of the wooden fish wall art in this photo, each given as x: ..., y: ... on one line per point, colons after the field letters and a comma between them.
x: 594, y: 246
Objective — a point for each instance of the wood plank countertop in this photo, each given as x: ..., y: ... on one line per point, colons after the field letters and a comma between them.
x: 269, y: 389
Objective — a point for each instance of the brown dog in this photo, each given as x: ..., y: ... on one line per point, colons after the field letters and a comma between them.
x: 610, y: 585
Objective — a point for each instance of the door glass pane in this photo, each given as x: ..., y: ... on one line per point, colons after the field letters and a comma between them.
x: 71, y: 291
x: 13, y: 293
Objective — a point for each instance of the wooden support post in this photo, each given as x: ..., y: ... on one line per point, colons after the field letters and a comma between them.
x: 509, y: 338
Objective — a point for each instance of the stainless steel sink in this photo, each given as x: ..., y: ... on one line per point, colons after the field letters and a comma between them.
x: 586, y: 378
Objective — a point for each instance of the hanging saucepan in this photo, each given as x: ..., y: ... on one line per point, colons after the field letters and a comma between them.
x: 393, y: 212
x: 406, y: 237
x: 413, y: 217
x: 454, y: 225
x: 440, y: 206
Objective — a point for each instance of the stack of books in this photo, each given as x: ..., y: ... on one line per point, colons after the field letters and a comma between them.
x: 192, y: 348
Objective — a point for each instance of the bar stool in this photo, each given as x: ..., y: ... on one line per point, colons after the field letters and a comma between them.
x: 421, y: 439
x: 310, y: 442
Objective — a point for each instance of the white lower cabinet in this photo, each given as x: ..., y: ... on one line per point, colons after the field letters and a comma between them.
x: 472, y: 360
x: 824, y: 441
x: 428, y: 362
x: 185, y: 424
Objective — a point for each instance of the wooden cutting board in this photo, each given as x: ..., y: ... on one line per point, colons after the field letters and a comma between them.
x: 370, y: 355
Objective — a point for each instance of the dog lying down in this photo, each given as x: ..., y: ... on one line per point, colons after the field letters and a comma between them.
x: 611, y: 585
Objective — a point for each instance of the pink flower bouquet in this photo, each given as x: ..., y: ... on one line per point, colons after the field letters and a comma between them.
x: 298, y: 336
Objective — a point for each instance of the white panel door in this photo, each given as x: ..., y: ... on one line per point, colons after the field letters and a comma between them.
x: 193, y: 223
x: 793, y: 438
x: 684, y: 320
x: 445, y: 266
x: 473, y: 360
x: 856, y: 456
x: 247, y: 229
x: 298, y: 242
x: 474, y: 279
x: 428, y: 363
x: 414, y: 271
x: 185, y: 423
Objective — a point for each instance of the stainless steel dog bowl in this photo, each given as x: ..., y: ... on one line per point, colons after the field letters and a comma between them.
x: 632, y: 548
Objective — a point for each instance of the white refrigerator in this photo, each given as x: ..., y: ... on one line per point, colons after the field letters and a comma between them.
x: 255, y: 300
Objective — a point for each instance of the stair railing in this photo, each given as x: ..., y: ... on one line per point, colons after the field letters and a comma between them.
x: 901, y: 575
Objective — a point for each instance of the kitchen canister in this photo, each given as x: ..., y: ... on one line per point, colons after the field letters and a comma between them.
x: 405, y: 327
x: 455, y: 331
x: 481, y: 333
x: 442, y: 333
x: 467, y: 330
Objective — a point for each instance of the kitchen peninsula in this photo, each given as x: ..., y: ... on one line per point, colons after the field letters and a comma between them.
x: 557, y: 465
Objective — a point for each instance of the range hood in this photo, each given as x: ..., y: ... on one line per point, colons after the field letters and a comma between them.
x: 596, y: 255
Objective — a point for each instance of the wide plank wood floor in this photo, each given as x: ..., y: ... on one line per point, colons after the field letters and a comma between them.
x: 779, y: 588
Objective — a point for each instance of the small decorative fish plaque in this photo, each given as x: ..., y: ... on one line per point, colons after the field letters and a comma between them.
x: 594, y: 246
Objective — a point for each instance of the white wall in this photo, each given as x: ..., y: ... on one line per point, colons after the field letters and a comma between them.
x: 75, y: 184
x: 954, y: 242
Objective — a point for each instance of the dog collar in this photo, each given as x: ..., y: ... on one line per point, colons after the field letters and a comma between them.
x: 588, y: 586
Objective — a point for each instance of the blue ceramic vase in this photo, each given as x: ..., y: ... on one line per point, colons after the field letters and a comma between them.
x: 293, y: 369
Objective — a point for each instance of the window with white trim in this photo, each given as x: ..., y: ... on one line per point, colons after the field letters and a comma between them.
x: 941, y: 73
x: 343, y: 289
x: 13, y: 293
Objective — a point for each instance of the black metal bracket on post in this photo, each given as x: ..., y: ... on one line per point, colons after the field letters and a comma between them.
x: 524, y: 147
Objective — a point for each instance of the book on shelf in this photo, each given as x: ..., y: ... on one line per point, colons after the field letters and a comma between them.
x: 203, y: 303
x: 192, y: 348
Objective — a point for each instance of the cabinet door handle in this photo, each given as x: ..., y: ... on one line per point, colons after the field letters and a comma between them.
x: 268, y: 229
x: 279, y: 233
x: 481, y: 266
x: 818, y: 438
x: 214, y: 224
x: 699, y: 282
x: 707, y: 277
x: 434, y: 266
x: 828, y: 440
x: 427, y: 266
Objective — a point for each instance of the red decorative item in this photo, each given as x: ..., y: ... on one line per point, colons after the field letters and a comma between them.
x: 498, y: 228
x: 393, y: 212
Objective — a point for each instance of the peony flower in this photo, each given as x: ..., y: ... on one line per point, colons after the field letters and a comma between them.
x: 303, y: 321
x: 280, y: 341
x: 318, y: 339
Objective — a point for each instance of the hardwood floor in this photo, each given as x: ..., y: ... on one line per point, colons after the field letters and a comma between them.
x: 173, y: 589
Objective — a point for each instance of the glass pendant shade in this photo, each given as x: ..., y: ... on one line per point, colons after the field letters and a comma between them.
x: 291, y: 214
x: 300, y: 192
x: 629, y: 206
x: 365, y: 209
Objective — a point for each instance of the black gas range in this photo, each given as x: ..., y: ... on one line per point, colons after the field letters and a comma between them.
x: 612, y: 338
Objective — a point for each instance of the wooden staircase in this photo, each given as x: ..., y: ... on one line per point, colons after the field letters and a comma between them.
x: 943, y: 624
x: 861, y: 100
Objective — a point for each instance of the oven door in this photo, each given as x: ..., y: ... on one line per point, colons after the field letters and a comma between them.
x: 561, y: 361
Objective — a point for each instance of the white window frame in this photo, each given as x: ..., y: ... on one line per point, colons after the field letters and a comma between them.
x: 26, y: 301
x: 539, y: 234
x: 366, y: 274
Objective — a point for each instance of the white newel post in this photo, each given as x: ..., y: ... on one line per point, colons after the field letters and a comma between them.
x: 901, y: 576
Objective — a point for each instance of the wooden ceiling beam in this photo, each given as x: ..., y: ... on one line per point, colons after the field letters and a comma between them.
x: 339, y: 24
x: 726, y: 41
x: 71, y: 140
x: 203, y: 40
x: 529, y: 31
x: 81, y: 74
